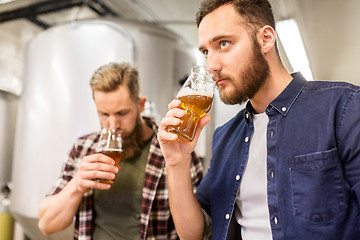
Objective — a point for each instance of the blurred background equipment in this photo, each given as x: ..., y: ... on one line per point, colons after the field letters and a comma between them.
x: 6, y: 219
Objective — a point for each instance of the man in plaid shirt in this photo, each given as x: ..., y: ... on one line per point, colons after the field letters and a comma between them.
x: 136, y: 206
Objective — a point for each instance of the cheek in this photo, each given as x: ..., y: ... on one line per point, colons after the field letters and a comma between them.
x: 128, y: 123
x: 230, y: 63
x: 103, y: 121
x: 240, y: 55
x: 129, y: 126
x: 104, y: 124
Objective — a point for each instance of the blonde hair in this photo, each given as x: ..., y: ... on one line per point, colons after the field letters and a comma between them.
x: 111, y: 76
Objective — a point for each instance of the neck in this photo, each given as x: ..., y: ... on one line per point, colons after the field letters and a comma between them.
x: 147, y: 131
x: 277, y: 81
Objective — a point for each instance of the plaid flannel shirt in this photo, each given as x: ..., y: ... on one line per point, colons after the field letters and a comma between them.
x: 156, y: 221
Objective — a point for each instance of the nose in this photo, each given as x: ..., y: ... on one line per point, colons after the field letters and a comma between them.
x: 114, y: 122
x: 213, y: 62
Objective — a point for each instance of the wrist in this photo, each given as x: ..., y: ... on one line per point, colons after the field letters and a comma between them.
x: 75, y: 189
x: 178, y: 162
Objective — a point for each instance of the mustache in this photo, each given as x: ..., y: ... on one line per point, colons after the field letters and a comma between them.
x: 225, y: 77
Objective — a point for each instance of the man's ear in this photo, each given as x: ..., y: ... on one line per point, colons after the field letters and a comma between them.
x: 266, y: 37
x: 142, y: 101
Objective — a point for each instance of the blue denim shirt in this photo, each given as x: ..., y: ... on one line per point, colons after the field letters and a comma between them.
x: 313, y: 163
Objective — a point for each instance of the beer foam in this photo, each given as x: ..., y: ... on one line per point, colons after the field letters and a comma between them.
x: 198, y: 83
x: 100, y: 150
x: 193, y: 91
x: 111, y: 149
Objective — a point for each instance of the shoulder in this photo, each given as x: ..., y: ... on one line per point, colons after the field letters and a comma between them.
x: 91, y: 137
x: 85, y: 144
x: 330, y: 86
x: 329, y: 93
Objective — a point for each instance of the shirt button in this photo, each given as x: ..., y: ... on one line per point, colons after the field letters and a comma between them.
x: 227, y: 216
x: 247, y: 139
x: 275, y: 220
x: 237, y: 177
x: 271, y: 134
x: 271, y: 174
x: 247, y: 115
x: 283, y: 109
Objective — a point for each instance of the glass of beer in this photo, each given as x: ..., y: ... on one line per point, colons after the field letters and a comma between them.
x: 196, y: 97
x: 110, y: 144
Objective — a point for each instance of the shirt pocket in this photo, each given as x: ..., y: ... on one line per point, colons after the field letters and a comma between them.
x: 318, y: 186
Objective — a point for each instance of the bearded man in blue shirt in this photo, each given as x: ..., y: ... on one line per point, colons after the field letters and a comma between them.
x: 288, y: 165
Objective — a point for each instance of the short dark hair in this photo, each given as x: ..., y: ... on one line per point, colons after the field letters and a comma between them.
x: 256, y: 13
x: 109, y: 77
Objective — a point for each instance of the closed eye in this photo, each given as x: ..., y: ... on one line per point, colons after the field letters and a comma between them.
x: 123, y: 113
x: 103, y: 114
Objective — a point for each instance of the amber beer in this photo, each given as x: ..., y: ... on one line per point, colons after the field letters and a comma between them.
x: 116, y: 155
x: 195, y: 107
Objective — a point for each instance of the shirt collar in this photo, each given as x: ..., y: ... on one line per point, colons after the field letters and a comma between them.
x: 284, y: 101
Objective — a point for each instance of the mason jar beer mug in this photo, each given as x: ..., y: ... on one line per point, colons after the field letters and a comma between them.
x: 110, y: 144
x: 196, y: 97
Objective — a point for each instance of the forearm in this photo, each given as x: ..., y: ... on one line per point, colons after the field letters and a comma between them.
x: 56, y: 212
x: 184, y: 206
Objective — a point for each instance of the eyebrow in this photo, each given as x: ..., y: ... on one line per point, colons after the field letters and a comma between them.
x: 214, y: 39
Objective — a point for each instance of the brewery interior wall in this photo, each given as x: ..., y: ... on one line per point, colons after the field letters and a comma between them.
x: 7, y: 127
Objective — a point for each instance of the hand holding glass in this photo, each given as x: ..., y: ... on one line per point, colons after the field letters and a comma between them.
x: 196, y: 97
x: 110, y: 144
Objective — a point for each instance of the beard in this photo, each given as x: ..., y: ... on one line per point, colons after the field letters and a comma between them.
x: 132, y: 142
x: 252, y: 78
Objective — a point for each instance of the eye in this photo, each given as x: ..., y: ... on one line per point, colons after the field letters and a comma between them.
x: 223, y: 44
x: 122, y: 113
x: 205, y: 52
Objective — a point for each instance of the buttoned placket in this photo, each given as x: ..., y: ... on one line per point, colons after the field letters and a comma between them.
x: 275, y: 221
x: 238, y: 176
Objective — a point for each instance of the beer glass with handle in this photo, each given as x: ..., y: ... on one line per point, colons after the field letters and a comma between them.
x: 110, y: 144
x: 196, y: 97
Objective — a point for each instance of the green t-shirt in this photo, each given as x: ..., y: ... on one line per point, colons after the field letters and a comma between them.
x: 118, y: 210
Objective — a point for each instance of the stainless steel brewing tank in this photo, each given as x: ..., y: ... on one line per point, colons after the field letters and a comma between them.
x: 8, y: 103
x: 56, y: 106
